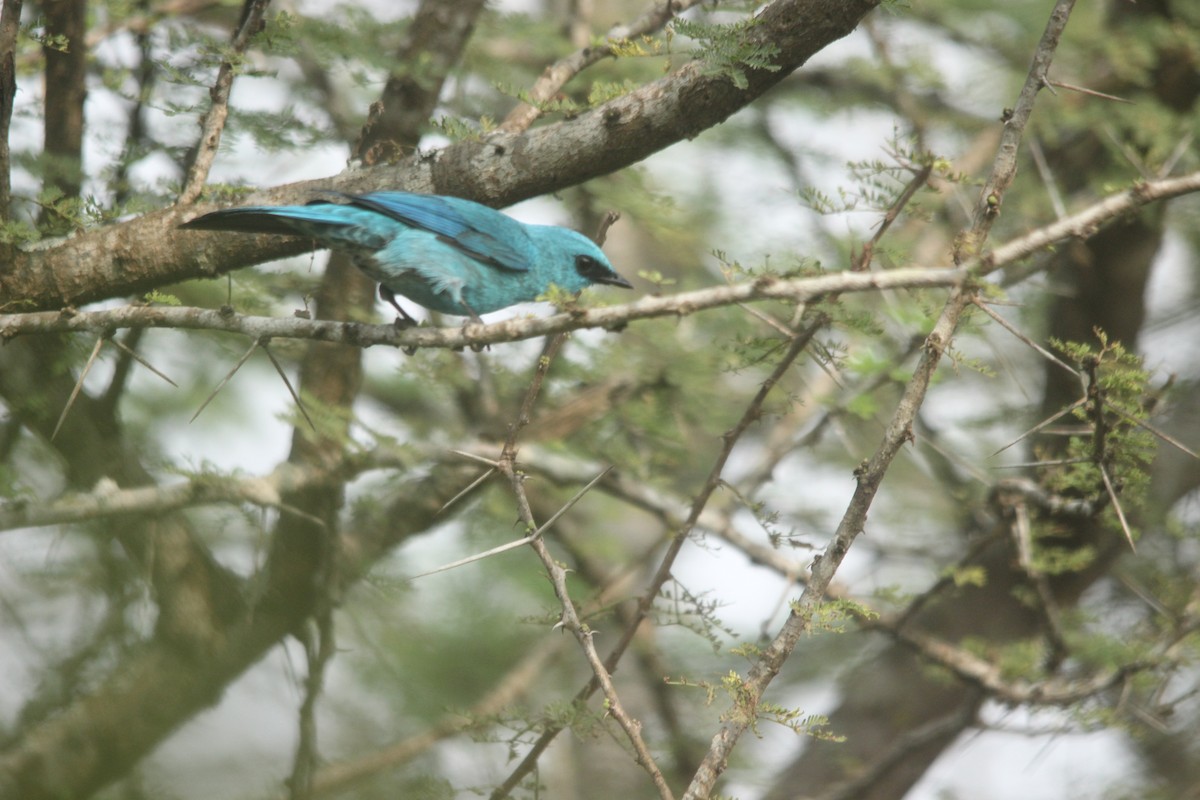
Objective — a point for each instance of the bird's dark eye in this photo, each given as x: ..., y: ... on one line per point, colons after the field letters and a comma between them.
x: 590, y: 268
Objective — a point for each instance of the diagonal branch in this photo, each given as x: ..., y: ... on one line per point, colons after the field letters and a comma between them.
x: 601, y: 672
x: 990, y: 677
x: 899, y: 431
x: 1004, y: 168
x: 561, y: 72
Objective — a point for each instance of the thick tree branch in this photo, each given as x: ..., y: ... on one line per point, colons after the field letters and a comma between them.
x: 148, y: 252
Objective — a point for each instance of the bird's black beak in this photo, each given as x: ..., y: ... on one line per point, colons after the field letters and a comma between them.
x: 613, y: 279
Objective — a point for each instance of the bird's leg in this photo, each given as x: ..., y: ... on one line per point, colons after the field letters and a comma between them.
x: 404, y: 320
x: 477, y: 320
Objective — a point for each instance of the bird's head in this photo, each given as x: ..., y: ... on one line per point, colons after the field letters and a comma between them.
x: 573, y: 261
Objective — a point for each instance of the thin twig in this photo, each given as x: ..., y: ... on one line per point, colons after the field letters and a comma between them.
x: 583, y: 634
x: 915, y: 184
x: 1004, y: 168
x: 214, y: 121
x: 137, y: 357
x: 1141, y: 423
x: 291, y: 389
x: 225, y: 380
x: 513, y: 545
x: 146, y: 75
x: 1043, y: 168
x: 1041, y: 425
x: 985, y: 307
x: 469, y: 488
x: 340, y: 776
x: 1092, y: 92
x: 557, y: 75
x: 319, y: 648
x: 1131, y: 155
x: 1048, y: 462
x: 1181, y: 149
x: 462, y: 562
x: 1116, y: 503
x: 549, y: 350
x: 545, y: 526
x: 78, y: 386
x: 600, y: 670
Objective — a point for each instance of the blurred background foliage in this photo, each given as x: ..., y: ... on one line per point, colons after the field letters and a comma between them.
x: 794, y: 184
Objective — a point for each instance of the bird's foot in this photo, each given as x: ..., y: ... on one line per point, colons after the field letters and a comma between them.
x: 471, y: 315
x: 474, y: 319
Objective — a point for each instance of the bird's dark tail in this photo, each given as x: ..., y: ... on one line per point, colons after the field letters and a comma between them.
x: 331, y: 224
x: 250, y: 219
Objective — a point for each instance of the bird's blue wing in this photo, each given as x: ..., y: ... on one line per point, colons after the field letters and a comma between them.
x: 481, y: 232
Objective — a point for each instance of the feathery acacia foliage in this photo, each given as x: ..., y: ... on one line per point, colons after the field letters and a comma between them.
x: 891, y: 410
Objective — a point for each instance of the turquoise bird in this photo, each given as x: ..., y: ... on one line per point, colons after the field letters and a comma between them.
x: 445, y: 253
